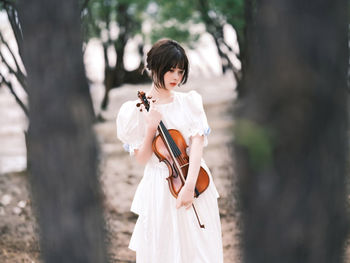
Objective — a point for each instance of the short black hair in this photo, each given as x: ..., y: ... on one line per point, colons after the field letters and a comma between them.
x: 164, y: 55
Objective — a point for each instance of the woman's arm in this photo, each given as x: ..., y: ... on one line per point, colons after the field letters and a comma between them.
x: 145, y: 152
x: 186, y: 195
x: 152, y: 118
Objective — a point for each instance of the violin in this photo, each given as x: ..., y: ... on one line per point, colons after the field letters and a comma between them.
x: 170, y: 147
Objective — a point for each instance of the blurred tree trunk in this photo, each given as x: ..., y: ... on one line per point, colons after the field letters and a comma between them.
x: 62, y: 145
x: 291, y: 134
x: 250, y: 8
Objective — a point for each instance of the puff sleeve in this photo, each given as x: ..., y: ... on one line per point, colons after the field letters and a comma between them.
x: 198, y: 119
x: 130, y: 126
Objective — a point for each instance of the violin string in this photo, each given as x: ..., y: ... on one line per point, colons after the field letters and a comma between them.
x: 176, y: 151
x: 174, y: 147
x: 166, y: 133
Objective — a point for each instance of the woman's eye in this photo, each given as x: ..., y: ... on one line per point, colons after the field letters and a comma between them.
x: 181, y: 72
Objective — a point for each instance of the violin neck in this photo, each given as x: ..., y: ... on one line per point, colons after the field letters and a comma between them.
x: 168, y: 139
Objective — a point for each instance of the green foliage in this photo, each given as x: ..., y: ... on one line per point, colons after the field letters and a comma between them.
x: 179, y: 32
x: 257, y: 141
x: 175, y: 19
x: 97, y: 17
x: 172, y: 19
x: 3, y: 3
x: 232, y: 12
x: 101, y: 14
x: 184, y: 13
x: 181, y: 10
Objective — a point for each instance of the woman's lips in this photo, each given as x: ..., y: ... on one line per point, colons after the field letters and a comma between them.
x: 172, y: 83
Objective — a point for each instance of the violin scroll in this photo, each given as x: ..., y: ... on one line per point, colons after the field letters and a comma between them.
x: 144, y: 100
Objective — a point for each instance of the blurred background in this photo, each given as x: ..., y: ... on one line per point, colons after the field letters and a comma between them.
x: 273, y: 77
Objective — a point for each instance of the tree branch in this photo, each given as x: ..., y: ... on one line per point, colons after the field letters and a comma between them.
x: 84, y: 5
x: 15, y: 24
x: 20, y: 80
x: 19, y: 71
x: 18, y: 100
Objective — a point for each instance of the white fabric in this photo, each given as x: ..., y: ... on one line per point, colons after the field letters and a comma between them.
x: 163, y: 233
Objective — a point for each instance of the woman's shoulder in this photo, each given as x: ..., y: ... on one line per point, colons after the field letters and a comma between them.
x: 128, y: 111
x: 189, y: 95
x: 191, y: 98
x: 128, y: 107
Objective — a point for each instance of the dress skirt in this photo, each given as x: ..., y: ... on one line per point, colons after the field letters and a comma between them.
x: 165, y: 234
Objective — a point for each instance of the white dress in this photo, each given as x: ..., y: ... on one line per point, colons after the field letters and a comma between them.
x: 163, y: 233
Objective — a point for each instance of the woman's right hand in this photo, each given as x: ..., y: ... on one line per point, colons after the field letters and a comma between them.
x: 152, y: 117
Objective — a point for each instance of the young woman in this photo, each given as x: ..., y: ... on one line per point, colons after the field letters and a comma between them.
x: 167, y: 230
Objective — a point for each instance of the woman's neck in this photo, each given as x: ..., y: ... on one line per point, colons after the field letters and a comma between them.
x: 161, y: 95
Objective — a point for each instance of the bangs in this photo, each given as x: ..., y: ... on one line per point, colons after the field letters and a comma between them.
x: 177, y: 60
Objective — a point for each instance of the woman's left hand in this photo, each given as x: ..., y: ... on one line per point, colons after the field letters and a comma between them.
x: 185, y: 197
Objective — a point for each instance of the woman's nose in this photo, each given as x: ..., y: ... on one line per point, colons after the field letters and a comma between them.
x: 177, y: 75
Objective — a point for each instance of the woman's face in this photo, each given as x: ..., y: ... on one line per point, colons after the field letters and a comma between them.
x: 173, y: 77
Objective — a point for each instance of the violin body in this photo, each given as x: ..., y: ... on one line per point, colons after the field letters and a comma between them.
x: 175, y: 179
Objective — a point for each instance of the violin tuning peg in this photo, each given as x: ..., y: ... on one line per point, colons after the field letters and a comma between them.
x: 138, y: 104
x: 149, y: 97
x: 141, y: 110
x: 153, y: 100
